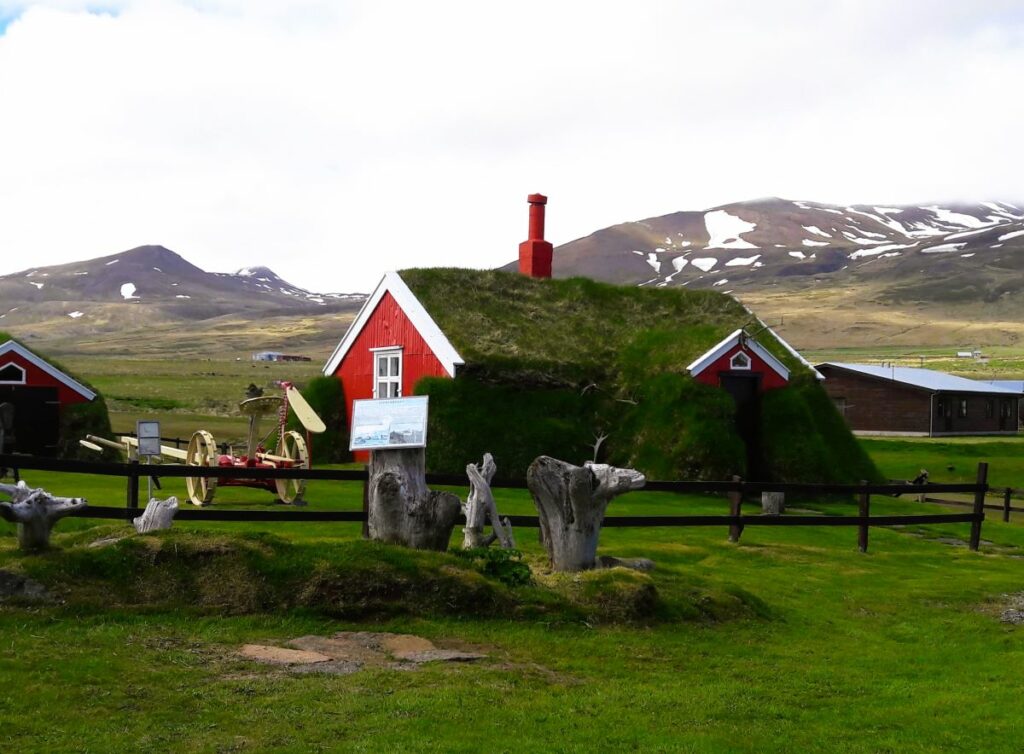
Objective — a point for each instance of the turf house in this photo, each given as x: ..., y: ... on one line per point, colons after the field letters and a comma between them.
x: 679, y: 384
x: 46, y: 409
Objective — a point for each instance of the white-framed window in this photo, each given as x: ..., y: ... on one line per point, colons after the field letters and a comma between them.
x: 387, y: 372
x: 12, y: 374
x: 740, y: 360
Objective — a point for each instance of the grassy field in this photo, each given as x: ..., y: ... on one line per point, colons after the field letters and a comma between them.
x: 790, y: 640
x: 897, y: 650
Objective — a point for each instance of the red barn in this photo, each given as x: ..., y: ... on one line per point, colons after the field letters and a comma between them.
x: 38, y: 391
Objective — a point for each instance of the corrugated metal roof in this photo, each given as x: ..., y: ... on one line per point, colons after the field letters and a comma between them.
x: 1016, y: 386
x: 928, y: 379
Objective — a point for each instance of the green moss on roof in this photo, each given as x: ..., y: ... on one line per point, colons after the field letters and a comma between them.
x: 575, y: 326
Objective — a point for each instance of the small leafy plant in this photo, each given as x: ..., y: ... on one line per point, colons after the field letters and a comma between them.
x: 507, y: 566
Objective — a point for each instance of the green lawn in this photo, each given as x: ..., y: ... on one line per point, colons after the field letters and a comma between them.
x: 897, y: 650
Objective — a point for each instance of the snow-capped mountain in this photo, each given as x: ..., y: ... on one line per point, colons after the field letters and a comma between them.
x: 769, y: 242
x: 159, y: 285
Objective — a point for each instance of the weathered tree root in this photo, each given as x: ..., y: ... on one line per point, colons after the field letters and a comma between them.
x: 571, y: 502
x: 402, y: 510
x: 480, y: 507
x: 35, y: 511
x: 159, y: 515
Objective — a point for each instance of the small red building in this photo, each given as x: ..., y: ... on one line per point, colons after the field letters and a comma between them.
x: 38, y: 391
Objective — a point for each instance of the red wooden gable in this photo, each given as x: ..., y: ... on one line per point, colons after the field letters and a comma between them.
x: 754, y: 361
x: 388, y: 325
x: 39, y: 373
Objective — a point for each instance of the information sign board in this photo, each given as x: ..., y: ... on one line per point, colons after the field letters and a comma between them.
x: 389, y: 423
x: 148, y: 433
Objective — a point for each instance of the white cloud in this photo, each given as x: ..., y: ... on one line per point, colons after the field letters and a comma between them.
x: 332, y: 142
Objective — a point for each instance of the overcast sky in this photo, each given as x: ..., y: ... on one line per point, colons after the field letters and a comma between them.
x: 333, y: 141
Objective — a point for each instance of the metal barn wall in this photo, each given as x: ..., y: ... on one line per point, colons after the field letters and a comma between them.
x: 387, y: 326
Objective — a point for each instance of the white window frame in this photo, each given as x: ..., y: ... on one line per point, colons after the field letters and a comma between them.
x: 740, y: 354
x: 17, y: 366
x: 387, y: 353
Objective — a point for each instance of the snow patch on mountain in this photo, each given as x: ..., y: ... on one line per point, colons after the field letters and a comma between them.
x: 956, y: 218
x: 128, y: 291
x: 704, y: 263
x: 809, y: 242
x: 725, y: 230
x: 797, y: 254
x: 1014, y: 234
x: 742, y: 261
x: 816, y: 230
x: 942, y: 248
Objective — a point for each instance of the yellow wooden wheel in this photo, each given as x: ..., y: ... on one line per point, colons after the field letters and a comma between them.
x: 293, y: 447
x: 202, y: 451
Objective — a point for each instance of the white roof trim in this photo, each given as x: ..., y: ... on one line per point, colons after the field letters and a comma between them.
x: 718, y: 351
x: 426, y: 326
x: 12, y: 347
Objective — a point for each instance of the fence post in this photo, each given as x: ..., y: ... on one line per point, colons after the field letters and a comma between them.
x: 735, y: 507
x: 979, y: 506
x: 366, y: 503
x: 863, y: 510
x: 1006, y: 505
x: 133, y: 486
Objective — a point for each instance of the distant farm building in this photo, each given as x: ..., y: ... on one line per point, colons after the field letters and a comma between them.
x: 888, y: 400
x: 278, y: 356
x: 665, y: 380
x: 40, y: 394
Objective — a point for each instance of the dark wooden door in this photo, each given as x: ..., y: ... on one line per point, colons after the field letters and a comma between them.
x: 744, y: 389
x: 36, y: 418
x: 1005, y: 412
x: 944, y: 414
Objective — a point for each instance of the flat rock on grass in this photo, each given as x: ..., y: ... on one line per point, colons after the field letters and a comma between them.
x: 280, y: 655
x: 20, y: 588
x: 349, y: 651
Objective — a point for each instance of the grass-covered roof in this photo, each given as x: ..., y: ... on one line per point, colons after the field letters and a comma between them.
x: 576, y: 327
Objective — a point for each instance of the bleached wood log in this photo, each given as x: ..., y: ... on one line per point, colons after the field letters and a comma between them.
x: 159, y: 515
x: 402, y: 510
x: 571, y: 502
x: 35, y: 511
x: 480, y: 507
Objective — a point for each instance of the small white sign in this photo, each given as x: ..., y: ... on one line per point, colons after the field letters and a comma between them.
x: 393, y: 423
x: 148, y: 434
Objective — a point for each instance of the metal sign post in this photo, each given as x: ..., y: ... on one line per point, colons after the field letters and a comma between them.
x: 148, y: 434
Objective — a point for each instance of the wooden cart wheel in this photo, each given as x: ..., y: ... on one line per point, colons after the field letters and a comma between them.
x: 202, y: 451
x: 293, y: 447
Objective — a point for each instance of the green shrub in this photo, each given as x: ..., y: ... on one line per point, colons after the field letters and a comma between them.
x: 507, y: 566
x: 326, y: 396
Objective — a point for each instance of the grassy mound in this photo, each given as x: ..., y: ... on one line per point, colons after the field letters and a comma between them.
x: 553, y: 364
x: 239, y: 574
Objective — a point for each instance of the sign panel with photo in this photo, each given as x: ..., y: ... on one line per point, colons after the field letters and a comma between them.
x: 148, y: 434
x: 389, y: 423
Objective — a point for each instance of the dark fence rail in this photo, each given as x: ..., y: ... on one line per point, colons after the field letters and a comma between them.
x: 736, y: 490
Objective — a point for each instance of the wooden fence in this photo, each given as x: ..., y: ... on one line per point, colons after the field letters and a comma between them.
x: 736, y: 490
x: 1005, y: 495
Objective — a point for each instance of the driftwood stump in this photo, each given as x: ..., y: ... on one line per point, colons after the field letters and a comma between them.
x: 480, y: 507
x: 402, y: 510
x: 159, y: 514
x: 571, y: 501
x: 35, y: 511
x: 773, y: 503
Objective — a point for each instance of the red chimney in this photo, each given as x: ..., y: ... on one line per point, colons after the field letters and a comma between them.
x: 535, y: 252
